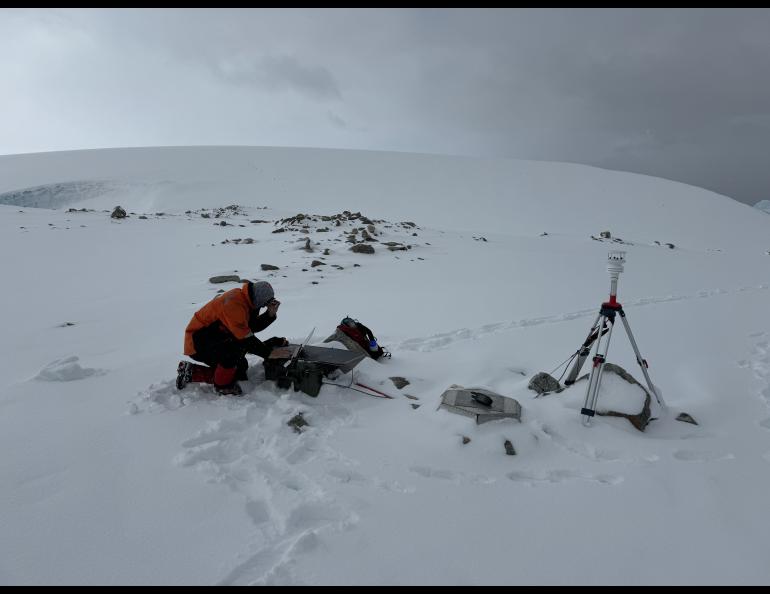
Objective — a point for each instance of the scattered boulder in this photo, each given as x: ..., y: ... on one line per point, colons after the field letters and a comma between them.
x: 142, y: 217
x: 362, y: 248
x: 466, y: 439
x: 638, y: 420
x: 268, y: 267
x: 415, y: 406
x: 605, y: 235
x: 399, y: 382
x: 509, y: 448
x: 543, y: 383
x: 297, y: 422
x: 315, y: 263
x: 685, y: 418
x: 118, y: 213
x: 227, y: 278
x: 307, y: 247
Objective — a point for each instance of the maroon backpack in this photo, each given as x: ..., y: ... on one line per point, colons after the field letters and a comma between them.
x: 363, y: 337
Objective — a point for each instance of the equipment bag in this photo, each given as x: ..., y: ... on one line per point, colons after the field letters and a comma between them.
x: 362, y: 336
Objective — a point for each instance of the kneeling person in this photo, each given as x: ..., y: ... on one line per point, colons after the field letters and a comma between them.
x: 222, y: 332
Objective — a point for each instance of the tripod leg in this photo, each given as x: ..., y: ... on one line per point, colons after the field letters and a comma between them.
x: 642, y: 362
x: 585, y: 350
x: 600, y: 356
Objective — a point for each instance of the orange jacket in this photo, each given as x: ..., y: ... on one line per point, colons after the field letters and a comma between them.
x: 232, y: 309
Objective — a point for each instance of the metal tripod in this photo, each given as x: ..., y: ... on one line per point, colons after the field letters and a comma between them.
x: 602, y: 326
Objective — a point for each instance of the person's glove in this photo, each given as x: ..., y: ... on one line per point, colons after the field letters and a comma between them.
x: 272, y: 307
x: 276, y: 341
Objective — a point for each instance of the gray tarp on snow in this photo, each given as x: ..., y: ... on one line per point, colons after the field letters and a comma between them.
x: 460, y: 400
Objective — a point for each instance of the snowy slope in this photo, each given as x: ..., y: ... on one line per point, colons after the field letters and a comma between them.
x: 112, y: 476
x: 763, y: 205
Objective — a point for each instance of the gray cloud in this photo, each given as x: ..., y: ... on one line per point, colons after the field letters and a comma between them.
x: 280, y: 73
x: 679, y: 93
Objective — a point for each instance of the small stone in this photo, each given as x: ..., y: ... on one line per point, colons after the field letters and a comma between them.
x: 297, y: 422
x: 605, y: 235
x: 543, y: 383
x: 362, y: 248
x: 415, y: 406
x: 228, y: 278
x: 509, y: 448
x: 466, y: 439
x: 685, y: 418
x: 268, y: 267
x: 399, y: 382
x: 315, y: 263
x: 118, y: 213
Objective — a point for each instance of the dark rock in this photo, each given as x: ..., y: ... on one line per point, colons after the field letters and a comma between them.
x: 223, y: 223
x: 307, y: 247
x: 466, y: 439
x: 142, y: 217
x: 543, y: 383
x: 315, y: 263
x: 118, y: 213
x: 415, y: 406
x: 399, y: 382
x: 411, y: 397
x: 362, y: 248
x: 605, y: 235
x: 297, y: 422
x: 205, y: 215
x: 268, y: 267
x: 685, y: 418
x: 326, y: 252
x: 509, y: 448
x: 228, y: 278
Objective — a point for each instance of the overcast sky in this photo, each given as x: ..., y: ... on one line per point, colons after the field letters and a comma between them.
x: 678, y: 93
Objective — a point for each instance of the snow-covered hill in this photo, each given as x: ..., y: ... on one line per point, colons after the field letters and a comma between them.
x: 763, y: 205
x: 112, y: 476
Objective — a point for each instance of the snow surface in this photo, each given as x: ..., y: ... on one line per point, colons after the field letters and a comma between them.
x: 763, y: 205
x: 110, y: 476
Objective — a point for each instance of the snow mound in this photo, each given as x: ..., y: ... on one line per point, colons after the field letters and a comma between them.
x: 66, y: 370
